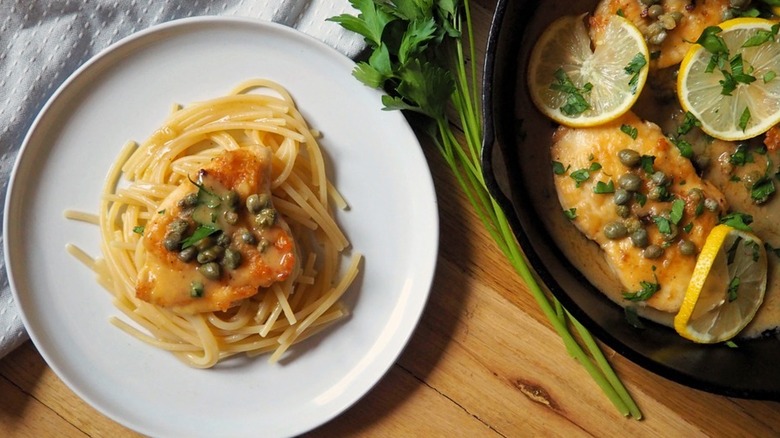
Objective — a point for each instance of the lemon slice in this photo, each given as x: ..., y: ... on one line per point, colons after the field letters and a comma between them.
x: 578, y: 86
x: 726, y: 288
x: 738, y: 98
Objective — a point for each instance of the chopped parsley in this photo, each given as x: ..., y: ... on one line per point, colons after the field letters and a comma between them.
x: 733, y: 288
x: 646, y: 163
x: 762, y: 189
x: 200, y: 233
x: 580, y: 176
x: 632, y: 318
x: 602, y: 188
x: 570, y: 214
x: 646, y: 291
x: 678, y: 209
x: 740, y: 221
x: 634, y: 68
x: 575, y: 97
x: 558, y: 168
x: 689, y: 122
x: 741, y: 156
x: 685, y: 148
x: 629, y: 130
x: 744, y: 119
x: 768, y: 76
x: 139, y: 229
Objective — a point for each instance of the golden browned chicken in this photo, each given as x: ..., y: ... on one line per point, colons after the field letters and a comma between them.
x: 626, y: 187
x: 217, y: 238
x: 668, y: 25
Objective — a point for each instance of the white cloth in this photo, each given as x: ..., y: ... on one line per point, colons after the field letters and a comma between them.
x: 43, y: 41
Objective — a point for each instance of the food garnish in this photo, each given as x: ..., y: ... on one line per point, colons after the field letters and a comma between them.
x: 418, y: 57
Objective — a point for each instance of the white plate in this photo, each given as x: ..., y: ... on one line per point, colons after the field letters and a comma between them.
x: 125, y: 93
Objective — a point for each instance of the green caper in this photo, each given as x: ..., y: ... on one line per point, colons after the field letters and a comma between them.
x: 231, y: 259
x: 255, y: 203
x: 204, y: 243
x: 695, y: 195
x: 231, y: 217
x: 656, y: 34
x: 188, y: 254
x: 223, y: 240
x: 655, y: 11
x: 711, y: 204
x: 630, y: 182
x: 178, y: 226
x: 657, y: 193
x: 263, y: 245
x: 621, y: 196
x: 207, y: 255
x: 629, y: 157
x: 615, y: 230
x: 639, y: 238
x: 659, y: 178
x: 231, y: 199
x: 667, y: 21
x: 265, y: 218
x: 210, y: 270
x: 188, y: 201
x: 687, y: 247
x: 172, y: 241
x: 623, y: 211
x: 653, y: 252
x: 246, y: 236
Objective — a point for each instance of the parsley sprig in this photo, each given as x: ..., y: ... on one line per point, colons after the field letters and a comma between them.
x: 418, y: 51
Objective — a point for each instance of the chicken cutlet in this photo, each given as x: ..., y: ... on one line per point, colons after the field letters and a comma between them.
x: 217, y: 238
x: 627, y: 188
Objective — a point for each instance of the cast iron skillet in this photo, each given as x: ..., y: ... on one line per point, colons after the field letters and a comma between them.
x: 749, y: 371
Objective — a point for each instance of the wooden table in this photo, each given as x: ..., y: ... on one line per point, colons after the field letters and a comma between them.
x: 483, y: 362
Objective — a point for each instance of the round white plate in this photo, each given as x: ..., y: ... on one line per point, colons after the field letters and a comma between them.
x: 124, y: 94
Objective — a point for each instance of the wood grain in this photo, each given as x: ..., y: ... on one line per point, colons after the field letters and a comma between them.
x: 483, y: 362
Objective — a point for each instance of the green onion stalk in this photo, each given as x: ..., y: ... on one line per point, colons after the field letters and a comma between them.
x: 418, y: 57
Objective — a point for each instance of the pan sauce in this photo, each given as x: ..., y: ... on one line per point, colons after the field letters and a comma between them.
x: 657, y: 104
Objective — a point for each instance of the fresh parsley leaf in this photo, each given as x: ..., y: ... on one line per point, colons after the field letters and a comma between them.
x: 570, y: 214
x: 646, y: 163
x: 740, y: 221
x: 594, y: 166
x: 415, y: 40
x: 641, y: 199
x: 575, y: 99
x: 629, y: 130
x: 685, y: 148
x: 632, y: 318
x: 744, y: 119
x: 199, y: 234
x: 139, y: 229
x: 646, y: 291
x: 733, y: 288
x: 580, y: 176
x: 711, y: 42
x: 664, y: 225
x: 762, y: 189
x: 769, y: 76
x: 678, y: 209
x: 731, y: 344
x: 602, y: 188
x: 370, y: 23
x: 634, y: 68
x: 689, y: 122
x: 558, y: 168
x: 741, y: 156
x: 762, y: 36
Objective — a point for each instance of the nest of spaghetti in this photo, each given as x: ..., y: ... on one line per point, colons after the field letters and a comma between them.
x: 217, y: 233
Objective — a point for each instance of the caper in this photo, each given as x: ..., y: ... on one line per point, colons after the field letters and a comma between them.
x: 188, y: 201
x: 633, y: 224
x: 751, y: 178
x: 246, y: 236
x: 265, y: 218
x: 630, y: 182
x: 172, y: 241
x: 711, y: 204
x: 738, y: 4
x: 695, y: 195
x: 223, y: 240
x: 231, y: 199
x: 188, y: 254
x: 615, y: 230
x: 659, y: 178
x: 639, y: 238
x: 263, y: 245
x: 653, y: 252
x: 656, y: 34
x: 687, y: 247
x: 657, y: 193
x: 655, y: 11
x: 231, y: 217
x: 621, y: 196
x: 629, y: 157
x: 667, y: 21
x: 255, y: 203
x: 207, y: 255
x: 210, y: 270
x: 204, y: 243
x: 178, y: 226
x: 623, y: 210
x: 231, y: 259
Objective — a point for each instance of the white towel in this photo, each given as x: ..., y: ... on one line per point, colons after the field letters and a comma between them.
x: 43, y: 41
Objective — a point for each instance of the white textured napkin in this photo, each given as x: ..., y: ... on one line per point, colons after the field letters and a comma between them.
x: 43, y: 41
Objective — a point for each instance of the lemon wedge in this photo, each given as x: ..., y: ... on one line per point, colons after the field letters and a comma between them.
x: 579, y: 86
x: 731, y: 80
x: 727, y: 286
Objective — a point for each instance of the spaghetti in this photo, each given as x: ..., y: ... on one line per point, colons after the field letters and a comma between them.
x: 256, y: 114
